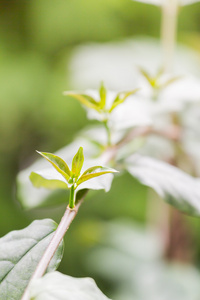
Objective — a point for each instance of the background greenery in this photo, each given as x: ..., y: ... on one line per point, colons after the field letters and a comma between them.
x: 37, y: 40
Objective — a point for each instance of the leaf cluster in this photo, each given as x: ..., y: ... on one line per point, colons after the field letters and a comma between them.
x: 100, y: 104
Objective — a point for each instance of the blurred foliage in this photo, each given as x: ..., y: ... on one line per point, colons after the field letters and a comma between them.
x: 37, y: 40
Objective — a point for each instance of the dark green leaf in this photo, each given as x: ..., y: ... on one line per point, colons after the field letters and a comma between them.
x: 20, y: 252
x: 58, y: 163
x: 77, y: 163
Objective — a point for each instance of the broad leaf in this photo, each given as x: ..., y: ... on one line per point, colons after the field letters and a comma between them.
x: 20, y: 252
x: 77, y: 163
x: 94, y: 172
x: 121, y: 255
x: 62, y: 287
x: 58, y: 163
x: 173, y: 185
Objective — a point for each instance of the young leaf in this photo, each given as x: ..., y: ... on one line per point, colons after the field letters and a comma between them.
x: 77, y: 163
x: 145, y: 74
x: 118, y: 100
x: 84, y: 99
x: 20, y: 252
x: 102, y: 93
x: 58, y: 163
x: 170, y: 81
x: 39, y: 181
x: 173, y: 185
x: 65, y: 287
x: 94, y: 172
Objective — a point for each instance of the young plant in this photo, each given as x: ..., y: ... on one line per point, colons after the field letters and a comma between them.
x: 64, y: 178
x: 69, y: 179
x: 101, y: 105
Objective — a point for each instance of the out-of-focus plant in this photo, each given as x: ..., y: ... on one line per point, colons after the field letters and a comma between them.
x: 128, y: 120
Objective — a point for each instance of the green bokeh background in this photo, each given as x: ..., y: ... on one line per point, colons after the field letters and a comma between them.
x: 37, y: 40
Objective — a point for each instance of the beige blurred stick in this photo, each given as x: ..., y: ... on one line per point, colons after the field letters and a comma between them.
x: 168, y: 32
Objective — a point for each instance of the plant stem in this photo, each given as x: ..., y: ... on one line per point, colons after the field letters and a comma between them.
x: 168, y: 32
x: 108, y: 132
x: 65, y: 222
x: 72, y: 197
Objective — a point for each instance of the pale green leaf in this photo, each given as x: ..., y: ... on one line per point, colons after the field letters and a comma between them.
x: 58, y: 163
x: 77, y: 163
x: 20, y: 252
x: 173, y: 185
x: 94, y: 172
x: 145, y: 74
x: 121, y: 97
x: 38, y: 181
x: 84, y: 99
x: 170, y: 81
x: 62, y: 287
x: 102, y: 93
x: 29, y: 196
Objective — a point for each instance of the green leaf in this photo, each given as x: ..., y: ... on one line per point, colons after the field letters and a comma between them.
x: 118, y: 100
x: 94, y: 172
x: 77, y: 163
x: 20, y: 252
x: 172, y: 185
x: 38, y: 181
x: 58, y: 163
x: 65, y: 287
x: 145, y: 74
x: 84, y: 99
x: 102, y: 93
x: 170, y: 81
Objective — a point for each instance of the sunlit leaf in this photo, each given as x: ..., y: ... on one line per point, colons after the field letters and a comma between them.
x: 30, y: 197
x: 94, y: 172
x: 102, y: 93
x: 145, y: 74
x: 172, y: 185
x: 39, y: 181
x: 84, y: 99
x: 62, y: 287
x: 170, y: 81
x: 20, y: 252
x: 77, y: 162
x: 121, y: 97
x: 58, y: 163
